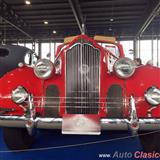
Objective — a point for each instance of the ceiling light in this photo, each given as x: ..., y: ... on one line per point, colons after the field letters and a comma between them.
x: 110, y: 29
x: 27, y: 2
x: 54, y: 32
x: 45, y: 22
x: 111, y: 19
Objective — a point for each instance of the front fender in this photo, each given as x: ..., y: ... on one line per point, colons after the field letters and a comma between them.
x: 25, y: 77
x: 144, y: 77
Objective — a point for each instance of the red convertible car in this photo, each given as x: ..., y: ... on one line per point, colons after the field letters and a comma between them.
x: 90, y: 87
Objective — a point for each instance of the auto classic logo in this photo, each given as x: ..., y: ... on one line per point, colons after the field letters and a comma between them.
x: 130, y: 155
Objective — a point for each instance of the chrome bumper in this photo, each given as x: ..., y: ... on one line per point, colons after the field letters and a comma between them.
x: 30, y: 121
x: 56, y: 123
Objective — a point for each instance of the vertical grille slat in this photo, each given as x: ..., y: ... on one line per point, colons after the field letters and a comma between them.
x: 82, y: 79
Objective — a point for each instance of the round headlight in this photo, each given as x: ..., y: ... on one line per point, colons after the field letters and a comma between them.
x: 152, y: 96
x: 43, y: 68
x: 124, y: 67
x: 19, y: 95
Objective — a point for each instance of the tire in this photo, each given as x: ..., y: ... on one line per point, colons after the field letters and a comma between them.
x: 17, y: 138
x: 115, y: 102
x: 150, y: 142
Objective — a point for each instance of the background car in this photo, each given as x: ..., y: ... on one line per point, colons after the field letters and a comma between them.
x: 10, y: 56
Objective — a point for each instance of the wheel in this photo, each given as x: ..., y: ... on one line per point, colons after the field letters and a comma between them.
x: 115, y: 102
x: 17, y: 138
x: 150, y: 142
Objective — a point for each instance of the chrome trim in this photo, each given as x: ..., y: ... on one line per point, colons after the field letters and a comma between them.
x: 30, y: 124
x: 79, y: 43
x: 30, y: 121
x: 56, y: 123
x: 58, y: 68
x: 134, y: 124
x: 82, y: 44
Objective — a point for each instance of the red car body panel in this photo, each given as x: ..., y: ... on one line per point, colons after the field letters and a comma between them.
x: 144, y: 77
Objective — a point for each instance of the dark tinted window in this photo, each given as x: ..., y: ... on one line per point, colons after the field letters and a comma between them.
x: 4, y: 52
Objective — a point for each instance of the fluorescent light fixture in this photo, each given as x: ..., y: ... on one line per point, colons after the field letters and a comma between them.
x: 45, y: 22
x: 28, y: 2
x: 54, y: 32
x: 110, y: 29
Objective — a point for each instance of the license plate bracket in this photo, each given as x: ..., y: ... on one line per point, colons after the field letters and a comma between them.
x: 84, y: 124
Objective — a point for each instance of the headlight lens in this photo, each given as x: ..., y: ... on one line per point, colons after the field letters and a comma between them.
x: 152, y: 96
x: 124, y: 67
x: 19, y: 95
x: 43, y: 68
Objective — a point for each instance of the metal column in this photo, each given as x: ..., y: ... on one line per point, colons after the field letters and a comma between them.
x: 39, y: 50
x: 54, y: 49
x: 157, y: 52
x: 135, y: 48
x: 139, y: 48
x: 33, y: 46
x: 152, y: 49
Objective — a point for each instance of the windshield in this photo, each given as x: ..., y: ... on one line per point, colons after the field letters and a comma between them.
x: 111, y: 48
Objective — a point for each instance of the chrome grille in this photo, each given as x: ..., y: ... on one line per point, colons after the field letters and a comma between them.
x: 82, y: 79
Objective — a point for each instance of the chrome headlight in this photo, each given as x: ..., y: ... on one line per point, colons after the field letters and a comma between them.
x: 43, y: 68
x: 19, y: 95
x: 124, y: 67
x: 152, y: 96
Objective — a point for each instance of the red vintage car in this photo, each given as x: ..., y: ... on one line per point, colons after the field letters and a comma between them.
x: 91, y: 86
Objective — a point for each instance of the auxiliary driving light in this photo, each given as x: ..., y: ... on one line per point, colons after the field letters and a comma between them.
x: 152, y: 96
x: 19, y: 95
